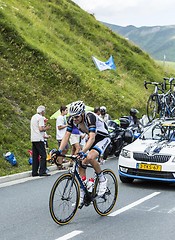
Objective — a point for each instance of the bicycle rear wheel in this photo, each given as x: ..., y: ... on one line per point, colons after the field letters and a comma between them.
x: 153, y: 107
x: 170, y: 101
x: 64, y: 199
x: 104, y: 205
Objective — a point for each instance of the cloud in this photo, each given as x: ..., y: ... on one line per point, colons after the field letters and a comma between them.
x: 127, y: 12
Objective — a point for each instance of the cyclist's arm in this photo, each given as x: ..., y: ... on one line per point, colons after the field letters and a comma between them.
x: 91, y: 122
x: 89, y: 142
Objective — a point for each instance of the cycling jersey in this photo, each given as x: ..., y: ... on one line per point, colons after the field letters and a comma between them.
x: 92, y: 123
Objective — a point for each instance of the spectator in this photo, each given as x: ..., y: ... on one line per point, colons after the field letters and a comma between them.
x: 104, y: 115
x: 61, y: 126
x: 97, y: 110
x: 37, y: 139
x: 75, y: 142
x: 133, y: 118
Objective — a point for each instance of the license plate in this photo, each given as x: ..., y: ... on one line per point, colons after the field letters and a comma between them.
x: 152, y: 167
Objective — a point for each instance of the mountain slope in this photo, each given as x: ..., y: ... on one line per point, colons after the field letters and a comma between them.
x: 46, y: 48
x: 157, y: 41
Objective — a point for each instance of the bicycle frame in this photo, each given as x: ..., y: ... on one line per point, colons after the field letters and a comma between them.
x: 74, y: 172
x: 164, y: 102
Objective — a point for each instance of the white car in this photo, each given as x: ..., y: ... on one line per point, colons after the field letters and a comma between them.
x: 151, y: 156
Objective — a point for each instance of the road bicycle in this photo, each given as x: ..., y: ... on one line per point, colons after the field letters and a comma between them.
x: 161, y: 105
x: 154, y: 101
x: 65, y: 193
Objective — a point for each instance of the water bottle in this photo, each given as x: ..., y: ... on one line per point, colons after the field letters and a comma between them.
x: 90, y: 185
x: 84, y: 180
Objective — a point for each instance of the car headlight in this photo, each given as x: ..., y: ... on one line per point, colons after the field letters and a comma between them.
x: 125, y: 153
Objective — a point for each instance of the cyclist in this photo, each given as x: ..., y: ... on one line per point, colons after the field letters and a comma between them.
x: 90, y: 123
x: 103, y: 114
x: 133, y: 118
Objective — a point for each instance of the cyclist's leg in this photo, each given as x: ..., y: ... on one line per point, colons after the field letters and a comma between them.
x: 99, y: 148
x: 91, y: 158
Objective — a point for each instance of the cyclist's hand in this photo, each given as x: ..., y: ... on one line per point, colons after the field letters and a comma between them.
x: 56, y: 154
x: 81, y: 155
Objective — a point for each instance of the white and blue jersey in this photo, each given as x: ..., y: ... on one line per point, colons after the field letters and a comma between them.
x: 92, y: 123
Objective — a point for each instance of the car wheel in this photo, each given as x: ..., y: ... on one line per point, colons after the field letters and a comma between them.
x: 126, y: 179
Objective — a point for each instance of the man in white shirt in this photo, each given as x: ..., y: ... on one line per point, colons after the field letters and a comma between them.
x: 37, y: 139
x: 61, y: 126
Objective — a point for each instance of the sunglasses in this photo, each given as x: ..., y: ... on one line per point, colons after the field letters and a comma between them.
x: 76, y: 116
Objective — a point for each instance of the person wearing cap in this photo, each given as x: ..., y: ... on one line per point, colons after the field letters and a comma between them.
x: 37, y: 139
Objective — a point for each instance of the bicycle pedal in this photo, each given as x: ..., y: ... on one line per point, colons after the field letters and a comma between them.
x: 80, y: 206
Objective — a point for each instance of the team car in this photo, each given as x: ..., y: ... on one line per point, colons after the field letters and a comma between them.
x: 151, y: 156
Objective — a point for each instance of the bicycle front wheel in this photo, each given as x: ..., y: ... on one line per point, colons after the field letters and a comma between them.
x: 153, y: 107
x: 104, y: 205
x: 64, y: 199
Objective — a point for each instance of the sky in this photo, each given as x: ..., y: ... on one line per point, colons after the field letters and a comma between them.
x: 131, y: 12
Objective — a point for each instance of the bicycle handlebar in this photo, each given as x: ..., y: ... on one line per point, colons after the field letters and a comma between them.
x: 170, y: 82
x: 153, y: 83
x: 74, y: 157
x: 163, y: 85
x: 68, y: 156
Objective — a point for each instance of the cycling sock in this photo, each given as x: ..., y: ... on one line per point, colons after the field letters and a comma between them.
x: 82, y: 193
x: 101, y: 177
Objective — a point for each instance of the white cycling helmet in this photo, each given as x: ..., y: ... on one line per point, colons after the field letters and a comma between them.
x: 76, y: 108
x: 103, y: 109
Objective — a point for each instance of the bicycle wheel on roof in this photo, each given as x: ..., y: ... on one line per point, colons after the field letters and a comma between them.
x: 153, y: 107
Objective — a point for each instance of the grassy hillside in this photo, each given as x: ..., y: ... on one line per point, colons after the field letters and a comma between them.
x: 168, y: 66
x: 157, y: 41
x: 46, y: 48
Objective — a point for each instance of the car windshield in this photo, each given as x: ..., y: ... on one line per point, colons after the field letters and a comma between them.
x: 160, y: 132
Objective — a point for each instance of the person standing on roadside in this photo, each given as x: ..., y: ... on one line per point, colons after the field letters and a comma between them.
x: 61, y: 126
x: 104, y: 115
x: 37, y: 138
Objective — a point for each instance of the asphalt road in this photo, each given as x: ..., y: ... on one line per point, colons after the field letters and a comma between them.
x: 144, y: 211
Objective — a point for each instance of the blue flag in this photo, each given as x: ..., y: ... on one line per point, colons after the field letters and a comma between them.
x: 104, y: 65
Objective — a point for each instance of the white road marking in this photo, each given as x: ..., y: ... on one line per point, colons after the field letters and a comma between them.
x: 133, y: 204
x: 69, y: 235
x: 172, y: 210
x: 21, y: 180
x: 153, y: 208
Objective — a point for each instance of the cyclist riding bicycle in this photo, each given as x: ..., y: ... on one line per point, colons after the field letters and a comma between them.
x: 90, y: 123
